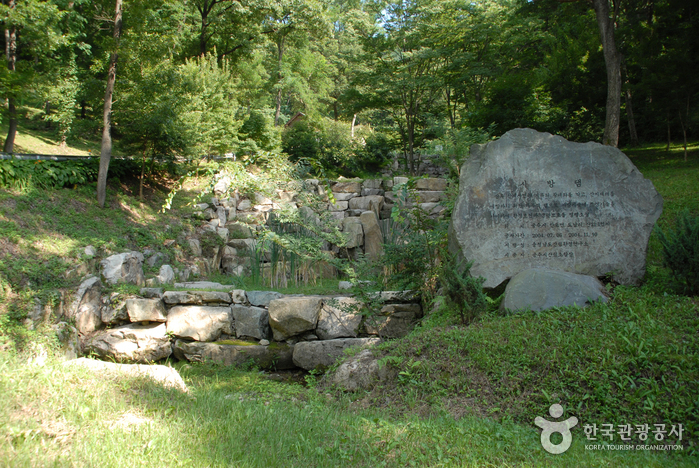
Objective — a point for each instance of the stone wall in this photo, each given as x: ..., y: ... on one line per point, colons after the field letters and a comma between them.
x: 358, y: 206
x: 207, y: 321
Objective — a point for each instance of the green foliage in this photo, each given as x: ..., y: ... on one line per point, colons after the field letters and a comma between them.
x: 454, y: 147
x: 681, y: 251
x: 21, y: 174
x: 463, y: 293
x: 328, y: 147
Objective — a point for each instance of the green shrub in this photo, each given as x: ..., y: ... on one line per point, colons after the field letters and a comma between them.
x: 681, y: 251
x: 463, y: 293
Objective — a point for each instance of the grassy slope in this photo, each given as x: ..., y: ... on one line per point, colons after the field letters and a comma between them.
x: 479, y: 374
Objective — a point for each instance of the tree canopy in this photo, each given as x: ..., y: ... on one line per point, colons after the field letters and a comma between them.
x: 225, y: 76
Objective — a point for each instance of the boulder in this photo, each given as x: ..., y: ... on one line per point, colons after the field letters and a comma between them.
x: 251, y: 321
x: 238, y: 296
x: 372, y: 184
x: 146, y: 310
x: 394, y: 320
x: 339, y: 317
x: 262, y: 298
x: 347, y: 187
x: 344, y: 196
x: 195, y: 247
x: 113, y: 309
x: 534, y: 200
x: 371, y: 202
x: 429, y: 196
x: 338, y: 206
x: 320, y: 355
x: 86, y: 306
x: 167, y: 376
x: 132, y: 343
x: 181, y: 297
x: 431, y: 184
x: 360, y: 372
x: 373, y: 239
x: 291, y: 316
x: 152, y: 293
x: 199, y: 323
x: 123, y: 268
x: 352, y: 229
x: 202, y: 285
x: 166, y: 275
x: 157, y: 259
x: 276, y: 356
x: 540, y: 289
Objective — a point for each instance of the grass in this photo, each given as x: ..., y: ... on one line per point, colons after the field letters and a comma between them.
x: 462, y: 396
x: 243, y: 419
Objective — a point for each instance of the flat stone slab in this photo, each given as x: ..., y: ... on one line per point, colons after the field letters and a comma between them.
x: 311, y: 355
x: 199, y: 323
x: 146, y: 310
x: 167, y: 376
x: 132, y: 343
x: 203, y: 285
x: 534, y: 200
x: 262, y: 298
x: 539, y: 289
x: 339, y: 317
x: 273, y: 356
x: 292, y: 316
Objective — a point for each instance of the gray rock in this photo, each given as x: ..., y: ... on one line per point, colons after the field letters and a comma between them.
x: 113, y: 309
x: 156, y: 259
x: 540, y: 289
x: 339, y: 317
x: 166, y: 275
x: 239, y: 230
x: 371, y: 202
x: 222, y: 214
x: 123, y: 268
x: 86, y: 306
x: 369, y: 192
x: 344, y: 196
x: 534, y: 200
x: 338, y: 206
x: 167, y: 376
x: 344, y: 285
x: 132, y: 343
x: 372, y: 184
x: 394, y: 321
x: 146, y: 310
x: 152, y: 293
x: 320, y: 355
x: 251, y: 321
x: 181, y: 297
x: 244, y: 205
x: 275, y: 356
x: 202, y: 285
x: 373, y: 239
x: 352, y: 229
x: 195, y: 247
x: 238, y: 296
x: 213, y: 296
x: 90, y: 251
x: 360, y: 372
x: 291, y: 316
x: 429, y: 196
x: 222, y: 186
x: 347, y: 187
x: 400, y: 180
x: 262, y: 298
x: 432, y: 184
x: 199, y: 323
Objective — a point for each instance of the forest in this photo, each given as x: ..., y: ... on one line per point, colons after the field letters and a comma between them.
x: 365, y: 78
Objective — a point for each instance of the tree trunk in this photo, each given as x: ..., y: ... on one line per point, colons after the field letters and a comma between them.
x: 106, y: 150
x: 11, y: 53
x: 278, y: 110
x: 612, y: 60
x: 629, y: 112
x: 669, y: 135
x: 354, y: 119
x: 684, y: 134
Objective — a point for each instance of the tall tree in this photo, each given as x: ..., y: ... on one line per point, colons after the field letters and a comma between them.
x: 606, y: 20
x: 106, y: 148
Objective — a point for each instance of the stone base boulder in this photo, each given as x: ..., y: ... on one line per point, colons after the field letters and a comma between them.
x: 146, y: 310
x: 540, y: 289
x: 123, y: 268
x: 273, y: 356
x: 394, y: 321
x: 292, y: 316
x: 360, y: 372
x: 131, y: 343
x: 251, y: 322
x: 340, y: 317
x: 167, y: 376
x: 199, y: 323
x: 320, y: 355
x: 86, y: 306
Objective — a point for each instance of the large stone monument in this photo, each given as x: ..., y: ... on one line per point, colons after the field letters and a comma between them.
x: 533, y: 200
